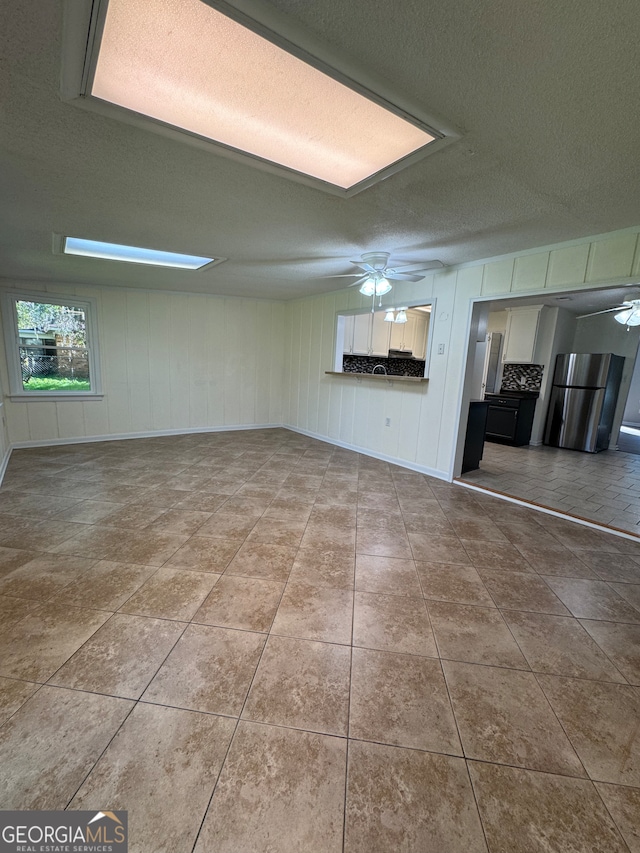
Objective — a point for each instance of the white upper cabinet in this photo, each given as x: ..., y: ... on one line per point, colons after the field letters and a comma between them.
x: 521, y: 334
x: 349, y: 323
x: 381, y: 335
x: 361, y: 334
x: 411, y: 337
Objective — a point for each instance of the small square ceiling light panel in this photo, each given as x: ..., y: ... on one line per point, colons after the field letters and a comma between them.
x: 134, y: 254
x: 189, y: 66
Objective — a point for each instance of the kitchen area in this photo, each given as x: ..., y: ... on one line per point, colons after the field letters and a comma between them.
x: 549, y: 388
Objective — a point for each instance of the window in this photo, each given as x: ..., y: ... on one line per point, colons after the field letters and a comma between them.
x: 51, y: 347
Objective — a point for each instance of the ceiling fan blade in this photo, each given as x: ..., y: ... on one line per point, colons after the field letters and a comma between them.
x: 402, y: 276
x: 606, y: 311
x: 345, y: 275
x: 361, y: 280
x: 426, y: 267
x: 363, y: 265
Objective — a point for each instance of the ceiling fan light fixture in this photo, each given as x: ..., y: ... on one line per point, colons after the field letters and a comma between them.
x: 382, y: 286
x: 368, y: 287
x: 623, y: 316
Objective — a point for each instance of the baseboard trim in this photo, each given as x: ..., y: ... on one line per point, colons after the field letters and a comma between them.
x: 123, y: 436
x: 401, y: 463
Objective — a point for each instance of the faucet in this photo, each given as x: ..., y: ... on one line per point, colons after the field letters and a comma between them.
x: 384, y: 369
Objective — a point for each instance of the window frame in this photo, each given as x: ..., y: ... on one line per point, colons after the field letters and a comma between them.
x: 17, y: 392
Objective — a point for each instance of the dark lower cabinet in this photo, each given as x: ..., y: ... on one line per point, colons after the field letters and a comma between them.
x: 510, y: 419
x: 474, y: 440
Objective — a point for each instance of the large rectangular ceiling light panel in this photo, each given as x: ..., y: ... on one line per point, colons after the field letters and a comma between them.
x: 190, y: 66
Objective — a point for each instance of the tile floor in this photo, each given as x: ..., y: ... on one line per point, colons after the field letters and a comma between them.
x: 258, y: 643
x: 601, y: 487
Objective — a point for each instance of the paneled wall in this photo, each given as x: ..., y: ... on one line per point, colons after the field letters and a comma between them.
x: 169, y: 362
x: 425, y: 418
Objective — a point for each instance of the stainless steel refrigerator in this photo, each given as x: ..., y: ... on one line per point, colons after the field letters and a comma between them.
x: 583, y: 400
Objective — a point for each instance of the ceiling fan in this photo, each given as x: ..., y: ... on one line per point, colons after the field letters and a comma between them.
x: 374, y: 281
x: 628, y: 314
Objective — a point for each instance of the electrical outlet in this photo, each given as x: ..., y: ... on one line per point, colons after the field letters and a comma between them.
x: 387, y: 421
x: 440, y: 349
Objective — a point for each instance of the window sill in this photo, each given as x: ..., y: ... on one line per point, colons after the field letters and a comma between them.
x: 58, y: 397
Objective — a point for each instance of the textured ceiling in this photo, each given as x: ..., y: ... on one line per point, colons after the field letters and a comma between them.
x: 546, y: 95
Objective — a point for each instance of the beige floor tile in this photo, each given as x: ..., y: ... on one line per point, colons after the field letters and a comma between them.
x: 171, y: 594
x: 105, y: 586
x: 315, y: 613
x: 302, y: 684
x: 132, y: 516
x: 13, y: 558
x: 429, y: 524
x: 438, y: 549
x: 392, y: 623
x: 181, y: 521
x: 43, y: 576
x: 401, y: 700
x: 503, y: 716
x: 224, y: 525
x: 280, y: 791
x: 527, y: 812
x: 624, y: 807
x: 621, y: 643
x: 474, y: 635
x: 61, y: 735
x: 260, y: 560
x: 13, y: 694
x: 450, y: 582
x: 497, y: 556
x: 121, y: 658
x: 629, y: 591
x: 205, y: 554
x: 601, y: 721
x: 383, y: 543
x: 236, y: 602
x: 559, y: 645
x: 201, y: 501
x: 593, y: 600
x: 44, y: 639
x: 522, y: 591
x: 274, y: 531
x: 210, y: 669
x: 12, y: 610
x: 40, y: 535
x: 561, y: 562
x: 162, y: 767
x: 120, y: 545
x: 408, y: 800
x: 325, y: 537
x: 335, y: 516
x: 389, y: 575
x: 324, y: 568
x: 612, y: 567
x: 527, y: 533
x: 478, y: 530
x: 89, y: 511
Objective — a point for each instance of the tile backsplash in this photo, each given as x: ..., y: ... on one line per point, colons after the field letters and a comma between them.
x: 522, y: 377
x: 392, y: 366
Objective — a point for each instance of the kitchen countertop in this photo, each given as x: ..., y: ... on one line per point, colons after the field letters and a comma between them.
x: 391, y: 377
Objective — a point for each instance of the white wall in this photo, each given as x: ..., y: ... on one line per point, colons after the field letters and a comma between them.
x: 424, y: 417
x: 169, y: 362
x: 556, y: 333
